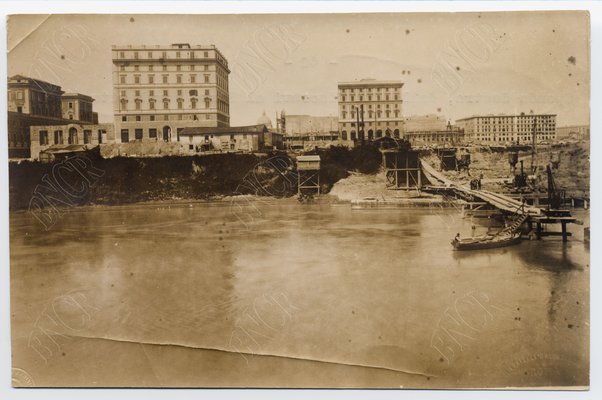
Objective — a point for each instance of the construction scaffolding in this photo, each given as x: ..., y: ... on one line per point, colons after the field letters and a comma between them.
x: 308, y: 175
x: 402, y: 169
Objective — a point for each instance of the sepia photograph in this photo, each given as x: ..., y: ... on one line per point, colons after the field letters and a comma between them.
x: 371, y: 200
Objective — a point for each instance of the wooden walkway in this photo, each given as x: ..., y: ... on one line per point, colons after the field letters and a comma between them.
x: 497, y: 200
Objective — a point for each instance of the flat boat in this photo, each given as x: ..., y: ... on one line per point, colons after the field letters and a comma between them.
x: 502, y: 239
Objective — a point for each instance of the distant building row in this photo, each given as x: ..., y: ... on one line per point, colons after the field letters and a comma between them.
x: 523, y: 128
x: 180, y: 93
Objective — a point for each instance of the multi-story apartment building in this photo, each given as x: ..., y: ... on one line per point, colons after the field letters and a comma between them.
x: 34, y: 97
x: 375, y: 105
x: 77, y: 106
x: 32, y: 102
x: 509, y: 128
x: 160, y: 90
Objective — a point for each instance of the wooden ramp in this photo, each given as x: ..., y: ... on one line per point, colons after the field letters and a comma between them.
x: 497, y: 200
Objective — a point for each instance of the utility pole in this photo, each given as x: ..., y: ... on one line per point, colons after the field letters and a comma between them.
x: 362, y: 120
x: 357, y: 119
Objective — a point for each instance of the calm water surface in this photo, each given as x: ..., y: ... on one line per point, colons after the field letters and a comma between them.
x: 94, y: 296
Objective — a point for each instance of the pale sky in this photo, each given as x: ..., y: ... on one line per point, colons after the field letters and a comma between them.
x: 456, y: 65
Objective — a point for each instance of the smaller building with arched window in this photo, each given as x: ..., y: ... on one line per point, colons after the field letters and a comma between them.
x: 70, y: 137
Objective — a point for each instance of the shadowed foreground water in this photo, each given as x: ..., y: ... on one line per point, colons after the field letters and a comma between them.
x: 274, y: 293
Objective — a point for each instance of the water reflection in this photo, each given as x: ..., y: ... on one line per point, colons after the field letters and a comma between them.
x: 307, y: 281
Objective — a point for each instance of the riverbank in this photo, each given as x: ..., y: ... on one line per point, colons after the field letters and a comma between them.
x: 366, y: 191
x: 348, y: 174
x: 126, y: 180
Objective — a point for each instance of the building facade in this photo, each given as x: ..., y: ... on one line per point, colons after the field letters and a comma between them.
x: 160, y: 90
x: 376, y: 106
x: 34, y: 97
x: 78, y: 107
x: 309, y: 124
x: 60, y: 137
x: 313, y: 141
x: 421, y: 123
x: 452, y: 136
x: 230, y: 139
x: 33, y: 102
x: 573, y: 132
x: 508, y: 129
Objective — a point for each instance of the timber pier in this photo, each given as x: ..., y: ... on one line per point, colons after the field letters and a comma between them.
x: 486, y: 203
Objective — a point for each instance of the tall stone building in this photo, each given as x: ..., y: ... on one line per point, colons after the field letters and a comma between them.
x: 508, y: 128
x: 375, y: 104
x: 160, y: 90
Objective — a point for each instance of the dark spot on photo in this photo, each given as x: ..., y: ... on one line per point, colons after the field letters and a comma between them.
x: 572, y: 60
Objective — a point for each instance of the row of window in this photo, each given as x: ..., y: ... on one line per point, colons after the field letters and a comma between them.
x: 432, y: 138
x: 151, y: 104
x: 379, y: 133
x: 369, y: 97
x: 164, y: 67
x: 521, y: 120
x: 165, y: 135
x: 72, y: 137
x: 369, y: 123
x: 504, y: 138
x: 150, y: 79
x: 191, y: 92
x: 353, y: 107
x: 44, y: 109
x: 164, y: 117
x: 371, y: 114
x: 164, y: 54
x: 369, y: 90
x: 509, y: 129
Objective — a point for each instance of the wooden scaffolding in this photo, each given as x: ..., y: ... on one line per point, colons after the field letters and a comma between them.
x: 402, y: 169
x: 308, y: 175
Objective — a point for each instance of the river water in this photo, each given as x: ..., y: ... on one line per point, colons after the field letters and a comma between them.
x: 275, y: 293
